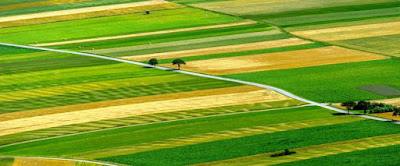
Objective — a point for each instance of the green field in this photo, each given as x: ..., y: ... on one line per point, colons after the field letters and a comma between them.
x: 92, y: 142
x: 55, y: 7
x: 383, y: 156
x: 113, y: 25
x: 244, y: 53
x: 78, y: 107
x: 169, y: 37
x: 331, y: 83
x: 257, y: 144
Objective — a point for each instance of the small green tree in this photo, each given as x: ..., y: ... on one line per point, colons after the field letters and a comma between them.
x: 396, y: 111
x: 153, y: 61
x: 363, y: 105
x: 349, y: 105
x: 178, y: 62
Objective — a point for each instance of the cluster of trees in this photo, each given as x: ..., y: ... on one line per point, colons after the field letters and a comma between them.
x: 371, y: 107
x: 178, y: 62
x: 284, y: 153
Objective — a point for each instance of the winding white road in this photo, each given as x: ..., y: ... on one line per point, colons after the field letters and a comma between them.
x: 281, y: 91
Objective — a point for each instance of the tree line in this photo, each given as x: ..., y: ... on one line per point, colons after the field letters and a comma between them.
x: 371, y: 107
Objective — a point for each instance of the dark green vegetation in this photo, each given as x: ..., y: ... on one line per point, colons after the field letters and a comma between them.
x: 168, y: 37
x: 257, y: 144
x: 113, y: 25
x: 331, y: 83
x: 115, y: 138
x: 382, y: 90
x: 252, y: 52
x: 387, y: 156
x: 143, y: 119
x: 55, y: 7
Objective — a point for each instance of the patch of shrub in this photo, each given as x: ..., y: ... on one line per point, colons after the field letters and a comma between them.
x: 284, y: 153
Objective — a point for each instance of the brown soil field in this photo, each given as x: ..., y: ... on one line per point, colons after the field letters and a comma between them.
x: 41, y: 162
x: 352, y: 32
x: 80, y: 10
x: 104, y: 13
x: 77, y: 107
x: 97, y: 114
x: 39, y: 3
x: 218, y: 50
x: 281, y: 60
x: 247, y: 22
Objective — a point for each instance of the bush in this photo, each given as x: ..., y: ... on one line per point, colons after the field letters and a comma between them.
x: 284, y: 153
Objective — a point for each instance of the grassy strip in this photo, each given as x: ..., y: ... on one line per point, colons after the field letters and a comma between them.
x: 221, y: 135
x: 382, y: 44
x: 17, y: 83
x: 114, y: 93
x: 143, y: 119
x: 58, y: 61
x: 111, y: 26
x: 88, y: 15
x: 315, y: 151
x: 329, y: 17
x: 376, y: 156
x: 320, y: 83
x: 201, y: 45
x: 142, y: 134
x: 326, y: 10
x: 263, y: 143
x: 169, y: 37
x: 6, y: 161
x: 11, y: 51
x: 38, y: 9
x: 243, y: 53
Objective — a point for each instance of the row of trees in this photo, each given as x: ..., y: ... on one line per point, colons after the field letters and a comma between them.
x: 372, y: 107
x: 178, y: 62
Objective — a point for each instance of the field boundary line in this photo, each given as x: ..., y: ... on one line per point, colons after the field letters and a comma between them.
x: 144, y: 124
x: 62, y: 159
x: 281, y: 91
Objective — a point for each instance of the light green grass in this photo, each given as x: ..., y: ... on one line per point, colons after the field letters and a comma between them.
x: 244, y: 53
x: 331, y: 83
x: 388, y: 45
x: 168, y: 37
x: 38, y: 9
x: 202, y: 45
x: 141, y: 134
x: 113, y: 25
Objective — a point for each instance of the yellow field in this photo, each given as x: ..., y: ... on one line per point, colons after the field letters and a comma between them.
x: 280, y: 60
x: 352, y: 32
x: 394, y: 101
x: 40, y: 3
x: 113, y: 12
x: 143, y: 108
x: 247, y: 22
x: 77, y: 107
x: 218, y: 50
x: 41, y: 162
x: 80, y: 10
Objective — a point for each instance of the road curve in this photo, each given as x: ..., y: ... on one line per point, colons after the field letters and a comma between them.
x: 281, y: 91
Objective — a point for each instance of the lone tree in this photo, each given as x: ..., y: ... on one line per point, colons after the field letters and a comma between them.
x: 153, y: 61
x: 349, y: 105
x: 178, y: 62
x: 363, y: 105
x: 147, y: 12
